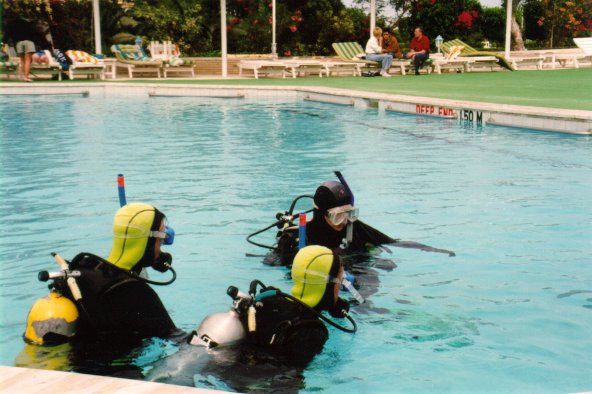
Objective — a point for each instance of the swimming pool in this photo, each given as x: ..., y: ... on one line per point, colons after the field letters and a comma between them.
x: 510, y: 313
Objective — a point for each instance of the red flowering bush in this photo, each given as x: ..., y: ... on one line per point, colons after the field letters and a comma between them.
x: 465, y: 19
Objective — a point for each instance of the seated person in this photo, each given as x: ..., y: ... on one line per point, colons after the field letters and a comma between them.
x: 390, y: 45
x: 40, y: 57
x: 375, y: 53
x: 117, y: 305
x: 420, y: 49
x: 291, y: 326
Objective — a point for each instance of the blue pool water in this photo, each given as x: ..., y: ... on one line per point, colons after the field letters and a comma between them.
x: 510, y: 313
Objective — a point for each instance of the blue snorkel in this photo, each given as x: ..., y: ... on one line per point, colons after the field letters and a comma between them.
x: 302, y: 230
x: 121, y: 189
x: 344, y: 183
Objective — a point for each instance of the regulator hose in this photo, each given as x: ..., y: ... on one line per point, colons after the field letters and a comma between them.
x: 253, y: 291
x: 153, y: 282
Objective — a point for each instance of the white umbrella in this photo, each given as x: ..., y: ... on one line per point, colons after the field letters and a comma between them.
x: 372, y: 16
x: 508, y: 27
x: 223, y: 38
x: 273, y: 43
x: 97, y: 20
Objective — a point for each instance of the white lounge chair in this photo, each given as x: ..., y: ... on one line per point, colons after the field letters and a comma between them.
x: 585, y: 44
x: 53, y: 68
x: 135, y: 60
x: 85, y: 64
x: 451, y: 61
x: 171, y: 58
x: 262, y: 67
x: 520, y: 63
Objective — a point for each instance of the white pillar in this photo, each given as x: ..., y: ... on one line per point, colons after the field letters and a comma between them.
x: 508, y: 28
x: 372, y: 16
x: 224, y: 46
x: 97, y: 20
x: 273, y: 43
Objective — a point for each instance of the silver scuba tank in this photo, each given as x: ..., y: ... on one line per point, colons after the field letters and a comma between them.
x: 223, y: 328
x: 219, y: 329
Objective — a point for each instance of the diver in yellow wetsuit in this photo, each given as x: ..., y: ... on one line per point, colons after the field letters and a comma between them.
x: 116, y: 304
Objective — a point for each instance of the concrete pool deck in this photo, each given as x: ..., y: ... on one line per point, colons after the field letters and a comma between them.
x: 469, y: 113
x: 26, y: 380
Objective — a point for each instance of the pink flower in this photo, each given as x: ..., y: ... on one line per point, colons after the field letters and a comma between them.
x: 293, y: 28
x: 288, y: 53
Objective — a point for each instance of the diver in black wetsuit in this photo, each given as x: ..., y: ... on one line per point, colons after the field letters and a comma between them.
x: 335, y: 224
x: 117, y: 305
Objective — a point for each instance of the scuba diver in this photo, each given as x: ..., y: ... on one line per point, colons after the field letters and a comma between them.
x: 108, y: 300
x: 334, y: 224
x: 268, y: 336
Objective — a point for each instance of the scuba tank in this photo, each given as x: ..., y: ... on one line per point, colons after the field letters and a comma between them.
x: 227, y: 328
x: 52, y: 319
x: 223, y: 328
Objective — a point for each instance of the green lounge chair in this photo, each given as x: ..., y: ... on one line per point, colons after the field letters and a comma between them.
x: 351, y: 52
x: 469, y: 51
x: 134, y: 59
x: 9, y: 68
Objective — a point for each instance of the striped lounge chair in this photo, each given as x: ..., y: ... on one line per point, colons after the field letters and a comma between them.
x: 134, y: 59
x: 85, y: 64
x: 9, y: 68
x: 481, y: 58
x: 352, y: 51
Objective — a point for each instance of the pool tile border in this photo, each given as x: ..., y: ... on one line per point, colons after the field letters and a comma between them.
x: 471, y: 113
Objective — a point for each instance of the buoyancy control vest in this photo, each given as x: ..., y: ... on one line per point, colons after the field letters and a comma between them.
x: 318, y: 232
x: 288, y: 329
x: 115, y: 306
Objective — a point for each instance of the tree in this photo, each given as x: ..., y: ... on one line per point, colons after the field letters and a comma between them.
x: 565, y: 19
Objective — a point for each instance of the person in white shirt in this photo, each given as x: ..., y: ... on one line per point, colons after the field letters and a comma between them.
x: 375, y: 53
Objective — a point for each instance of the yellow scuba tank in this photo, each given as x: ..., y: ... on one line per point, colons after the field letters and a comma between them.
x: 51, y: 320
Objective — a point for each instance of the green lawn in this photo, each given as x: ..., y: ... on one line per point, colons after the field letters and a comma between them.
x: 569, y: 89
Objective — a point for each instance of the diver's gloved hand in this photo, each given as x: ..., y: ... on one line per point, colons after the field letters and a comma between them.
x: 165, y: 260
x: 340, y: 306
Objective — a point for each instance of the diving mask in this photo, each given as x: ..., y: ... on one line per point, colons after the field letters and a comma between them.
x: 341, y: 215
x: 321, y: 278
x: 167, y: 236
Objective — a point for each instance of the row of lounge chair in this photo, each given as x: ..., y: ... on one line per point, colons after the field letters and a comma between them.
x: 164, y: 59
x: 82, y: 64
x: 461, y: 57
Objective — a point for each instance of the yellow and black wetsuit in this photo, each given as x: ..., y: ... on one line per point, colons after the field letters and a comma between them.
x: 116, y: 306
x: 291, y: 332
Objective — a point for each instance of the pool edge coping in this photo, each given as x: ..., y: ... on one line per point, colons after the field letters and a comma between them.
x: 530, y: 117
